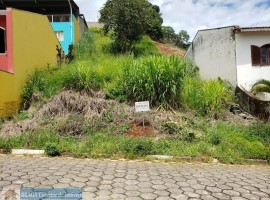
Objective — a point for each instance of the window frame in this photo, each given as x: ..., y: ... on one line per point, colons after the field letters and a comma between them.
x: 5, y: 40
x: 256, y: 52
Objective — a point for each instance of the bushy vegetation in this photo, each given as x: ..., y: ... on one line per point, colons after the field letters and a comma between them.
x: 261, y: 86
x: 156, y: 79
x: 206, y: 97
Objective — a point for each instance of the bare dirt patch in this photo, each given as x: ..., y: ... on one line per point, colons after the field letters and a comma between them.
x: 169, y: 50
x: 140, y: 130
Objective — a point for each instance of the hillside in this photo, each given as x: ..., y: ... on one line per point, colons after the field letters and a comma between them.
x: 169, y: 50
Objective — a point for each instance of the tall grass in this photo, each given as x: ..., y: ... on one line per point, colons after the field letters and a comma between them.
x: 86, y: 46
x: 81, y: 76
x: 206, y: 97
x: 157, y: 79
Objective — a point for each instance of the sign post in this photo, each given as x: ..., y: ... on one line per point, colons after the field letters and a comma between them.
x: 142, y: 106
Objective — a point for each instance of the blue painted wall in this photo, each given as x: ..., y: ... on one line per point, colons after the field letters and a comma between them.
x: 65, y: 27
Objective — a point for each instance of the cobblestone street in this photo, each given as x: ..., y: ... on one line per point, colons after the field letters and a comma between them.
x: 104, y: 179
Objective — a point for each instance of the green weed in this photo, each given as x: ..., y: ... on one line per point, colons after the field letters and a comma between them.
x: 206, y: 97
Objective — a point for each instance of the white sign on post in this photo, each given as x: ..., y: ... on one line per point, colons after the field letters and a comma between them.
x: 142, y: 106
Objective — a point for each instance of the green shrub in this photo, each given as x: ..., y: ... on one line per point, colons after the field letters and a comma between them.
x: 261, y: 86
x: 52, y: 150
x: 157, y: 79
x: 145, y: 47
x: 206, y: 97
x: 172, y: 127
x: 34, y: 83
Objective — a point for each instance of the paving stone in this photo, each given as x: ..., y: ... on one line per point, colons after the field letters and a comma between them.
x: 146, y: 190
x: 77, y: 184
x: 92, y: 183
x: 149, y: 196
x: 251, y: 196
x: 61, y: 185
x: 132, y: 187
x: 105, y: 187
x: 162, y: 193
x: 118, y: 196
x: 81, y: 179
x: 131, y: 182
x: 118, y: 190
x: 231, y: 193
x: 191, y: 194
x: 20, y: 181
x: 221, y: 196
x: 90, y: 189
x: 160, y: 187
x: 208, y: 197
x: 132, y: 193
x: 179, y: 196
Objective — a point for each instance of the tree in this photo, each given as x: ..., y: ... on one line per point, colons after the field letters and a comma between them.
x: 183, y: 39
x: 129, y: 20
x: 154, y: 22
x: 169, y: 35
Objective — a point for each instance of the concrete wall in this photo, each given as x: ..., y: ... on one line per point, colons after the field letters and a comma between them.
x: 83, y: 27
x: 34, y: 45
x: 252, y: 104
x: 214, y: 53
x: 247, y: 74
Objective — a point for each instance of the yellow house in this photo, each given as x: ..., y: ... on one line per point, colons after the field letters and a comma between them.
x: 28, y: 41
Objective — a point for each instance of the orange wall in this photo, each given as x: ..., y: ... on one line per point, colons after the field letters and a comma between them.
x: 34, y: 44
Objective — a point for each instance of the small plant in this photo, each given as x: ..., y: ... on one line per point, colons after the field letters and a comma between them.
x: 172, y: 127
x: 35, y: 82
x: 124, y: 128
x: 52, y: 150
x: 215, y: 139
x: 261, y: 86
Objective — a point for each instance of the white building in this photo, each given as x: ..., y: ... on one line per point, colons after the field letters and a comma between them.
x: 239, y: 55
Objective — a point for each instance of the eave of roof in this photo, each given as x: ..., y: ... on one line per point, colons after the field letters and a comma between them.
x: 254, y: 29
x: 42, y: 6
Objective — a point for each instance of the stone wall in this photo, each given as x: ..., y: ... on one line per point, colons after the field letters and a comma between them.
x: 252, y: 104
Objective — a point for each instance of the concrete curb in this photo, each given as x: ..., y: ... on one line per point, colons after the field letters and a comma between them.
x: 27, y: 152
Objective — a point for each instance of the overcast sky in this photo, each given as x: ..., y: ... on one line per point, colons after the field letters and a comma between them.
x: 193, y: 15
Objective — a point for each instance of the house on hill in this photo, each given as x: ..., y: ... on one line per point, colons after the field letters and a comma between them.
x: 29, y: 33
x: 240, y: 55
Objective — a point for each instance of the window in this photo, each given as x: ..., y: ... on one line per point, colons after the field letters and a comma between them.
x: 260, y: 56
x: 60, y: 36
x: 2, y: 40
